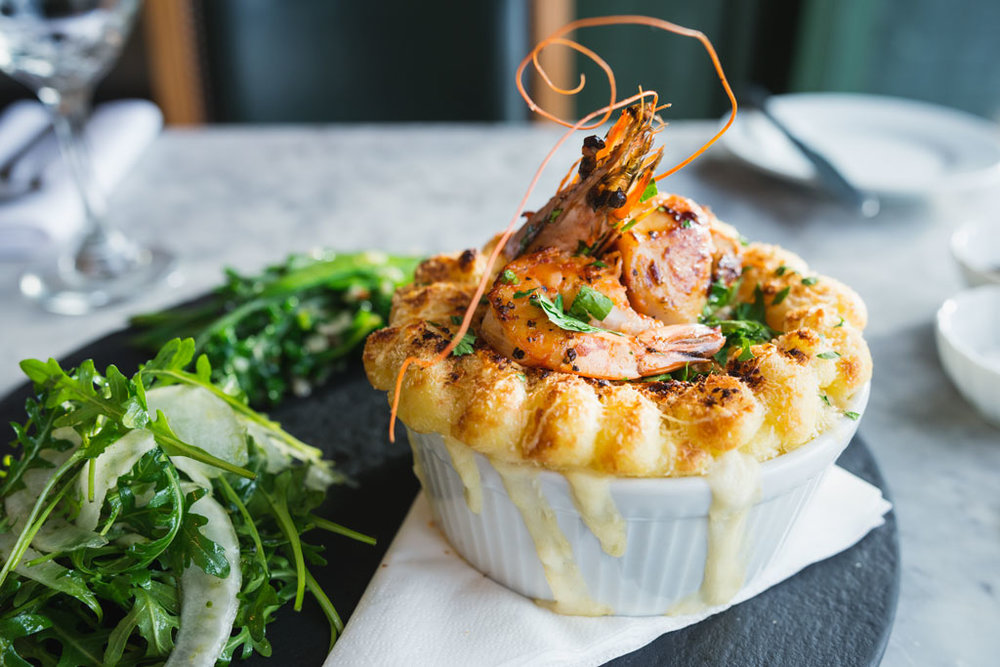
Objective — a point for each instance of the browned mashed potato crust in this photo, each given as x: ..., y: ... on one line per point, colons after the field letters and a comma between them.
x: 766, y: 406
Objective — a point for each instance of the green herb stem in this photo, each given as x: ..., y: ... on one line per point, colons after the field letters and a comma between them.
x: 332, y: 617
x: 332, y: 527
x: 279, y: 508
x: 32, y: 524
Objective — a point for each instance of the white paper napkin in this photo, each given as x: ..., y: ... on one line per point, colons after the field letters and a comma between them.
x: 117, y: 134
x: 427, y: 606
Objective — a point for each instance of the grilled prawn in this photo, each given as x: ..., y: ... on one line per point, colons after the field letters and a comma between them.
x: 614, y: 342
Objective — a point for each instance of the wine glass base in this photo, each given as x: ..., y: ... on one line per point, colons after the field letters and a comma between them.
x: 57, y: 286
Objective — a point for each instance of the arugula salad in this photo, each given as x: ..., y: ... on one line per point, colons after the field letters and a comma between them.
x: 153, y: 519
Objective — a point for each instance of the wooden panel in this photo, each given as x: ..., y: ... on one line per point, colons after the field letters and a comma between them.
x: 548, y: 16
x: 173, y: 61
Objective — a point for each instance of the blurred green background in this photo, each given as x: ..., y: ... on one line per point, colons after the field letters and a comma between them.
x: 454, y: 60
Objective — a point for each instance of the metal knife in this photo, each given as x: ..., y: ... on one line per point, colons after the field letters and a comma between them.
x: 829, y: 177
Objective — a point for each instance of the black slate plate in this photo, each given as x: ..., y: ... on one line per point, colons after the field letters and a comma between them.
x: 836, y: 612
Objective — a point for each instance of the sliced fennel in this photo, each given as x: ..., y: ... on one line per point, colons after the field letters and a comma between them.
x: 204, y: 420
x: 208, y: 602
x: 101, y: 474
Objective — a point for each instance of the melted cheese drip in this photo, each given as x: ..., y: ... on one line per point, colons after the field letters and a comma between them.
x: 568, y: 587
x: 735, y: 483
x: 592, y: 497
x: 463, y: 459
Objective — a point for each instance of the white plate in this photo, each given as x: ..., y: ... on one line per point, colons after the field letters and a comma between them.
x: 890, y: 146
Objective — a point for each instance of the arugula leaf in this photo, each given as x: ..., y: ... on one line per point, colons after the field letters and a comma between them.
x: 168, y: 368
x: 197, y: 548
x: 288, y: 327
x: 154, y: 623
x: 19, y: 626
x: 832, y: 354
x: 116, y: 601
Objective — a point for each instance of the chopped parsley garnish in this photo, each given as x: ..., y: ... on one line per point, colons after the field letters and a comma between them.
x: 590, y: 303
x: 455, y: 319
x: 530, y: 230
x: 780, y: 271
x: 554, y: 311
x: 520, y: 294
x: 465, y: 345
x: 719, y: 296
x: 554, y: 214
x: 828, y: 355
x: 744, y: 241
x: 839, y: 324
x: 599, y: 265
x: 649, y: 192
x: 810, y: 281
x: 780, y: 296
x: 583, y: 249
x: 826, y: 399
x: 508, y: 277
x: 746, y: 327
x: 853, y: 415
x: 752, y: 311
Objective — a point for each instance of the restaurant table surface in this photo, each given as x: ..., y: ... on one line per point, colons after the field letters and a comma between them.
x: 245, y: 196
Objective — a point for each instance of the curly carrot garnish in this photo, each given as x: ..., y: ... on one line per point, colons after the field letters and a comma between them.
x: 582, y: 124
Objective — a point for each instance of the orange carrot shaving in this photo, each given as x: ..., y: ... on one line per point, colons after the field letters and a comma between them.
x: 604, y: 113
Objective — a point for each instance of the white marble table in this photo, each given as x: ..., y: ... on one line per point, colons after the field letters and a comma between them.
x: 247, y: 196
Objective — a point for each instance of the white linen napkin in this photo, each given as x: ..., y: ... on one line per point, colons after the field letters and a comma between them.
x: 117, y: 134
x: 427, y: 606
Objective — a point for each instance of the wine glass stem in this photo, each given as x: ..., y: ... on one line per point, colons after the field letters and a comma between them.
x: 103, y: 252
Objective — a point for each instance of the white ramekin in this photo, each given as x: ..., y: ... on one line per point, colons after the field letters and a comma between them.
x: 968, y: 342
x: 666, y: 523
x: 976, y: 248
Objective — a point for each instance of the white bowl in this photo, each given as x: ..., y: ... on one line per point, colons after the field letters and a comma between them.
x: 666, y: 524
x: 976, y: 248
x: 968, y: 342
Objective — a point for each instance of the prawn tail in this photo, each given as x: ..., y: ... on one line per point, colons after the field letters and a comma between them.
x: 670, y: 347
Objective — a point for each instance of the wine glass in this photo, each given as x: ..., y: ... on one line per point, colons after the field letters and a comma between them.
x: 60, y: 49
